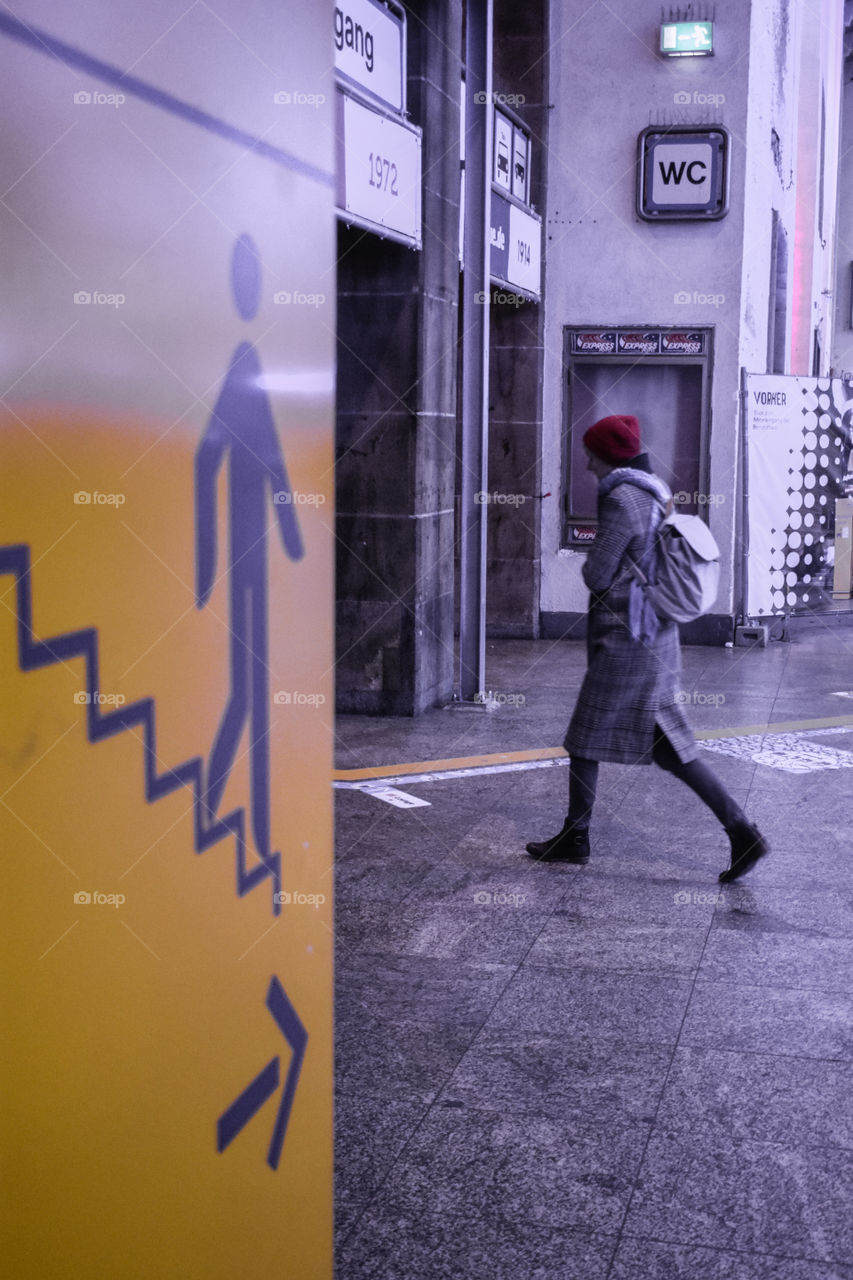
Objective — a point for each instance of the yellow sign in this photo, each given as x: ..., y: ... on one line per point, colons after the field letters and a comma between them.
x: 165, y: 643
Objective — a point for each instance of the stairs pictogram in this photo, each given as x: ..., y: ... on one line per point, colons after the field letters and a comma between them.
x: 208, y: 829
x: 34, y: 654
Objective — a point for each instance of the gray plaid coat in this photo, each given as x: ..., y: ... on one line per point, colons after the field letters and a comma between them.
x: 629, y: 685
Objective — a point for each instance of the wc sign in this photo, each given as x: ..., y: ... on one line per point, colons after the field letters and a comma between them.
x: 683, y: 174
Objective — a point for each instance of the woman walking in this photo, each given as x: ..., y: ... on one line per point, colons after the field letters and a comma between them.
x: 626, y: 712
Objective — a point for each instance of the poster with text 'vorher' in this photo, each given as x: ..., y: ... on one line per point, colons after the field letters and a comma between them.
x: 798, y: 439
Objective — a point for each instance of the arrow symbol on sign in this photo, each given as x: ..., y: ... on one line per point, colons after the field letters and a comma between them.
x: 266, y: 1082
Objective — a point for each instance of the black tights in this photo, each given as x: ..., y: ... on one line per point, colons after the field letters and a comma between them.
x: 583, y: 778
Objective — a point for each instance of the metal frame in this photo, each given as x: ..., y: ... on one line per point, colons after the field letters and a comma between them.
x: 479, y: 118
x: 680, y: 214
x: 704, y: 362
x: 741, y: 563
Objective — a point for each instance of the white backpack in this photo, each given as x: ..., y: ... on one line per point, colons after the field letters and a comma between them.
x: 685, y: 569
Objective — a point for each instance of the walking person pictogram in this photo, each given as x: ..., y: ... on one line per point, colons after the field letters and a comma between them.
x: 242, y: 428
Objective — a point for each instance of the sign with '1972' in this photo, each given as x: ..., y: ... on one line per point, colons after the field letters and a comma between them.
x: 379, y: 172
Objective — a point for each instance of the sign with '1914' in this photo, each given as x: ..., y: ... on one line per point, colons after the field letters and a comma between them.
x: 515, y: 246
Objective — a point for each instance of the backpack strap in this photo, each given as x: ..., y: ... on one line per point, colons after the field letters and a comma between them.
x: 643, y: 622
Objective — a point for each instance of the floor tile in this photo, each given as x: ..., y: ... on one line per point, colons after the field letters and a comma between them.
x: 451, y: 1246
x: 794, y: 958
x: 594, y: 1084
x: 619, y: 946
x: 499, y: 929
x: 627, y: 1008
x: 370, y: 1132
x: 755, y: 1019
x: 437, y: 991
x: 801, y: 908
x: 650, y: 1260
x: 516, y: 1169
x: 755, y: 1196
x: 733, y: 1097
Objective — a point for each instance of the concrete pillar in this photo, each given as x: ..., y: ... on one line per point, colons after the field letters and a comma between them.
x: 515, y: 386
x: 396, y: 414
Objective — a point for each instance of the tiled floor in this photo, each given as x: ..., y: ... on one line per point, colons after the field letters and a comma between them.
x: 616, y: 1071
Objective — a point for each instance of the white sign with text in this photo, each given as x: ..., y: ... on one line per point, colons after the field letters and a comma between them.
x: 524, y: 256
x: 681, y: 174
x: 369, y: 49
x: 382, y: 171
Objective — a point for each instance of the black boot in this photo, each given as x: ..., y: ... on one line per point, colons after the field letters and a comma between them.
x: 569, y: 845
x: 748, y: 845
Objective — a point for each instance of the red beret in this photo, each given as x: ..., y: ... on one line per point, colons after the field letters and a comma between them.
x: 614, y: 439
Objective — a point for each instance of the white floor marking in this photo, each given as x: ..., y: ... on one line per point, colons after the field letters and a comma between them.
x: 791, y: 752
x: 400, y: 799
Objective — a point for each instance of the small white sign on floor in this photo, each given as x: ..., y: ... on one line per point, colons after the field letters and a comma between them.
x: 400, y: 799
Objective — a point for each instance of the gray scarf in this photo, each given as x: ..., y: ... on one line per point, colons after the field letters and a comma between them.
x: 642, y: 619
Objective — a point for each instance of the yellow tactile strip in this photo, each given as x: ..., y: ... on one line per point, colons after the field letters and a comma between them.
x: 553, y: 753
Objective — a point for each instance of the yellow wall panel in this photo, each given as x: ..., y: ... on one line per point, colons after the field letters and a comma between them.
x: 145, y: 987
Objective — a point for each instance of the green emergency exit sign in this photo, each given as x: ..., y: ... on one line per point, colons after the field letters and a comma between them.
x: 687, y: 39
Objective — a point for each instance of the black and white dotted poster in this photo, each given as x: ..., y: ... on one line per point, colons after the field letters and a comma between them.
x: 799, y: 433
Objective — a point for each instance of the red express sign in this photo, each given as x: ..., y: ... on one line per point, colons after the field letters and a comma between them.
x: 602, y: 344
x: 645, y: 344
x: 639, y: 342
x: 683, y: 344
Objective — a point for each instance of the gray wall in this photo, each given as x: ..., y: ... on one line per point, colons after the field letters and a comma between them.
x: 605, y: 265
